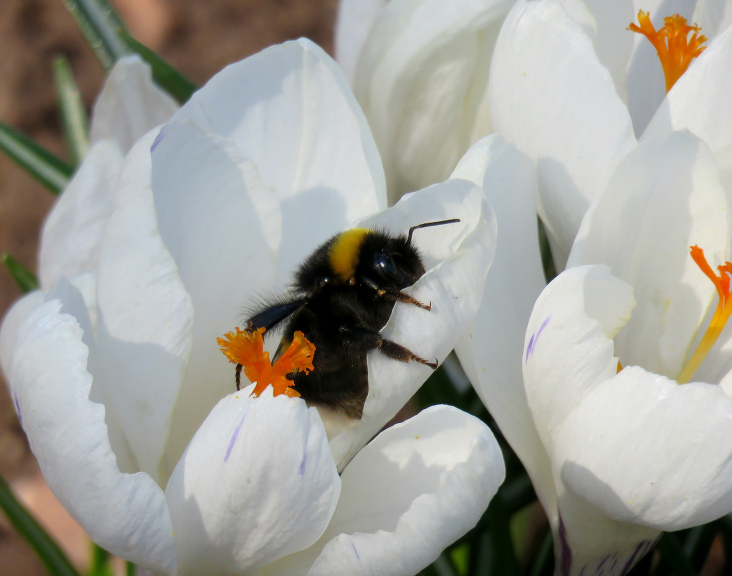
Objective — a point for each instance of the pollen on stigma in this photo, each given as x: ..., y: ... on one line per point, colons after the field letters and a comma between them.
x: 675, y: 48
x: 721, y: 282
x: 246, y: 349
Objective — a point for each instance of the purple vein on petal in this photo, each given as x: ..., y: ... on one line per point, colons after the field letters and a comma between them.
x: 356, y: 551
x: 158, y: 138
x: 17, y: 409
x: 535, y: 338
x: 234, y: 436
x: 302, y: 463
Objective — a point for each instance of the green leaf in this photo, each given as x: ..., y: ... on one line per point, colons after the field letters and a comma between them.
x: 167, y: 77
x: 503, y: 559
x: 73, y: 114
x: 459, y: 556
x: 673, y: 556
x: 543, y: 564
x: 100, y: 561
x: 24, y: 523
x: 131, y: 569
x: 45, y: 167
x: 101, y: 26
x: 438, y: 389
x: 699, y: 543
x: 517, y: 493
x: 24, y: 278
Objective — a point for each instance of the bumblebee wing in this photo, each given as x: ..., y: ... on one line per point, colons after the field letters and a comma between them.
x: 274, y: 314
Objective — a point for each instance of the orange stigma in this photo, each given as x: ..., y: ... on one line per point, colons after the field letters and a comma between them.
x: 721, y: 314
x: 675, y: 49
x: 246, y: 349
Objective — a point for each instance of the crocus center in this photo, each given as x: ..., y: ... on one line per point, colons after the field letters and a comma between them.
x: 721, y: 282
x: 675, y: 48
x: 246, y: 349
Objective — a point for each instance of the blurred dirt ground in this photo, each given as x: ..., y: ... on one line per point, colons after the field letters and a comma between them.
x: 199, y: 38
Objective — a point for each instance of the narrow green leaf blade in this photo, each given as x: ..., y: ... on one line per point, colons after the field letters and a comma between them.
x: 46, y: 548
x: 673, y: 556
x: 24, y: 278
x: 100, y: 25
x: 73, y: 114
x: 100, y: 565
x: 443, y: 566
x: 44, y: 166
x: 167, y: 77
x: 543, y: 563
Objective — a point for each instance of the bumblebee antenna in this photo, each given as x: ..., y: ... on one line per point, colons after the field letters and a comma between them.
x: 429, y: 224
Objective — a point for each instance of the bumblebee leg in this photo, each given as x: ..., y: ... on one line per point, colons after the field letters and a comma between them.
x: 238, y: 376
x: 398, y: 352
x: 401, y: 297
x: 372, y: 340
x: 396, y: 295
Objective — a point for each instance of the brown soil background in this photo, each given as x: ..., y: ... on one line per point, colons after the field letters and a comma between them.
x: 198, y: 38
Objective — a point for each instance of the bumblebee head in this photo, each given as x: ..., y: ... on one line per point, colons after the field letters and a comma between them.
x: 390, y: 261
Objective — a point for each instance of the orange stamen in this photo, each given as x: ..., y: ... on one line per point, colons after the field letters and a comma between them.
x: 675, y: 49
x: 247, y: 349
x: 721, y: 314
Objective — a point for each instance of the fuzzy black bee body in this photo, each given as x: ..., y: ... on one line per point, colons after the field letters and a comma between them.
x: 343, y: 295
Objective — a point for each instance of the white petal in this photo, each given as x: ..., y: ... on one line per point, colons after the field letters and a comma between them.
x: 221, y: 225
x: 553, y: 99
x: 290, y: 110
x: 354, y: 21
x: 699, y: 100
x: 413, y: 490
x: 14, y: 317
x: 422, y: 81
x: 569, y: 347
x: 73, y: 229
x: 613, y: 43
x: 648, y: 451
x: 256, y: 482
x: 129, y: 105
x: 645, y: 78
x: 145, y: 318
x: 457, y: 257
x: 713, y: 16
x: 664, y: 197
x: 491, y: 351
x: 125, y: 514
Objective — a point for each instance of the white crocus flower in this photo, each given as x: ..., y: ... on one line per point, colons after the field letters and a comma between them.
x: 633, y: 452
x: 615, y: 465
x: 636, y: 452
x: 659, y: 197
x: 572, y: 87
x: 419, y: 69
x: 129, y: 405
x: 128, y: 106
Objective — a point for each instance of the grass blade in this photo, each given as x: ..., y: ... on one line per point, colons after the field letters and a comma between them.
x: 24, y: 523
x: 673, y: 556
x: 73, y: 114
x: 543, y: 562
x: 45, y: 167
x: 24, y: 278
x: 167, y: 77
x: 100, y: 561
x: 100, y: 25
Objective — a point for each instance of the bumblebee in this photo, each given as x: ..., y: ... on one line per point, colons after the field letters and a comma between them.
x: 341, y: 298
